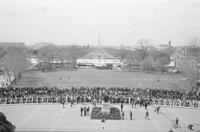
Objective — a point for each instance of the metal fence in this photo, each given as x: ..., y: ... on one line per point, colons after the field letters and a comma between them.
x: 50, y: 99
x: 177, y: 103
x: 29, y: 100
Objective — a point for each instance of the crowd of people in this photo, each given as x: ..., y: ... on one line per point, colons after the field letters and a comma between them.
x: 97, y: 94
x: 89, y: 94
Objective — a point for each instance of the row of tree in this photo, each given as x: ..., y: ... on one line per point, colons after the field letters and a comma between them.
x: 13, y: 61
x: 53, y: 53
x: 190, y: 66
x: 145, y: 55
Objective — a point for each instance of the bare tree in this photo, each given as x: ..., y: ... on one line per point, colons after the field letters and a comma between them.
x: 143, y: 45
x: 147, y: 64
x: 62, y: 54
x: 75, y: 53
x: 161, y: 62
x: 194, y: 47
x: 194, y: 53
x: 189, y: 67
x: 47, y: 53
x: 14, y: 62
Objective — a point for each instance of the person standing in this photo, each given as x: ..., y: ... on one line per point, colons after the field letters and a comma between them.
x: 84, y: 111
x: 147, y: 115
x: 88, y: 109
x: 72, y: 101
x: 103, y: 120
x: 131, y: 115
x: 132, y: 102
x: 123, y: 114
x: 81, y: 111
x: 63, y: 102
x: 177, y: 120
x: 122, y: 106
x: 158, y: 110
x: 145, y: 105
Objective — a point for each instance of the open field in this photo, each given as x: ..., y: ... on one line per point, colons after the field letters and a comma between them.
x: 55, y: 118
x: 93, y: 77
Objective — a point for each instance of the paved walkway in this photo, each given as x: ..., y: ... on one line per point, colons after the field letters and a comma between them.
x: 55, y: 118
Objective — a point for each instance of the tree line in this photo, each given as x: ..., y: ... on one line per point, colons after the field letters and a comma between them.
x: 145, y: 55
x: 191, y: 63
x: 13, y: 59
x: 148, y: 57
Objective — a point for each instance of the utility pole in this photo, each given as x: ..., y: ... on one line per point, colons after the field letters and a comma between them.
x: 99, y: 41
x: 99, y: 37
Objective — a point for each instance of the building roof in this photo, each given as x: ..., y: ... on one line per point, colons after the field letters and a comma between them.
x: 10, y: 44
x: 98, y: 53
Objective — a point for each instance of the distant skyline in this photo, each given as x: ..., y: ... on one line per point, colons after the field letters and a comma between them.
x: 122, y: 22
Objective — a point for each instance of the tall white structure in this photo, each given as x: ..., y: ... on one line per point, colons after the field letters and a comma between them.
x: 99, y: 57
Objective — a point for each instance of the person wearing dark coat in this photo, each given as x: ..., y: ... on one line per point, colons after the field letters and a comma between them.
x: 88, y: 109
x: 81, y: 111
x: 85, y: 111
x: 63, y: 102
x: 72, y: 102
x: 131, y: 115
x: 123, y: 114
x: 147, y: 115
x: 122, y: 106
x: 158, y: 110
x: 177, y: 120
x: 145, y: 105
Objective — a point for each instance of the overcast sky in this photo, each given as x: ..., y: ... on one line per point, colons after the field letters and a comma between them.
x: 121, y: 21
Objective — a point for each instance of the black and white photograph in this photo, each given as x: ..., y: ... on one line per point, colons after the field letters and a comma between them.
x: 100, y: 65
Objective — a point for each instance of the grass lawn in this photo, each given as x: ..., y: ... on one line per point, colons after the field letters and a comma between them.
x: 93, y: 77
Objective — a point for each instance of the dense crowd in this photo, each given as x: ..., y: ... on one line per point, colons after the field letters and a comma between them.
x: 88, y: 94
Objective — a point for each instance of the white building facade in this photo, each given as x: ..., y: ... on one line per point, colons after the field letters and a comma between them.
x: 98, y: 57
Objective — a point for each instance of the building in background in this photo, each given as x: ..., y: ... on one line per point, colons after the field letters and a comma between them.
x: 99, y: 58
x: 10, y: 44
x: 39, y: 45
x: 4, y: 80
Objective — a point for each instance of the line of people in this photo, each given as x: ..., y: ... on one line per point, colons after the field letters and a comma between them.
x: 89, y: 94
x: 85, y: 110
